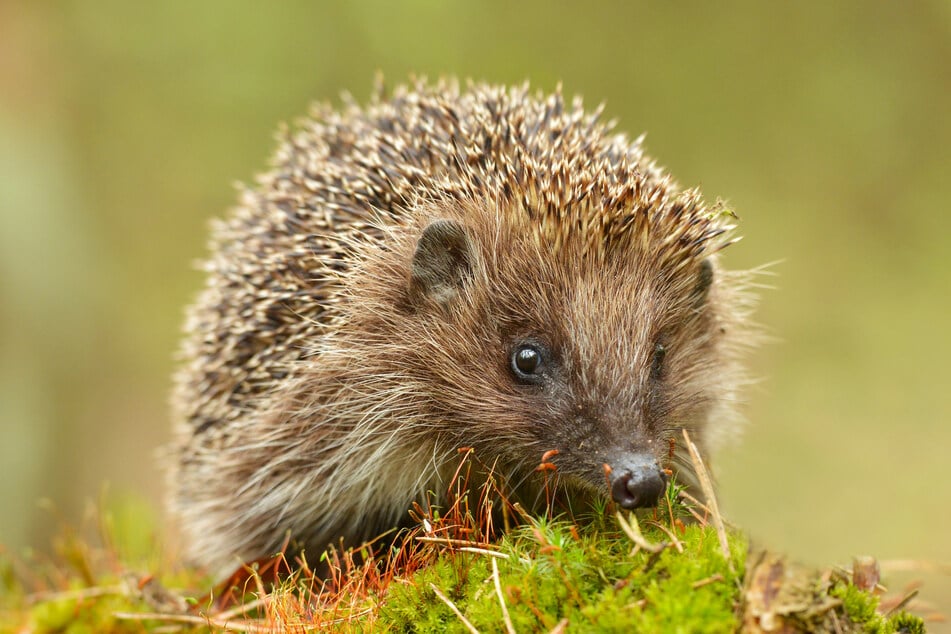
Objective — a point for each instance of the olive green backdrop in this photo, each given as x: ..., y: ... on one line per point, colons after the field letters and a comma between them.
x: 826, y: 125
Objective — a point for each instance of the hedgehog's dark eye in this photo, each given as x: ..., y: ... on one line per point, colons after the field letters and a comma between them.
x: 527, y: 361
x: 657, y: 363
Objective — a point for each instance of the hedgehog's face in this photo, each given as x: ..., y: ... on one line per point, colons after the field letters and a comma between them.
x: 596, y: 363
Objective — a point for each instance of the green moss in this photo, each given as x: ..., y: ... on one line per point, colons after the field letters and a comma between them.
x: 74, y: 616
x: 589, y: 574
x: 861, y: 609
x: 593, y: 580
x: 859, y: 606
x: 905, y: 623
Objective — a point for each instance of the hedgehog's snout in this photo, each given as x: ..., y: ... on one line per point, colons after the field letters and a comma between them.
x: 638, y: 483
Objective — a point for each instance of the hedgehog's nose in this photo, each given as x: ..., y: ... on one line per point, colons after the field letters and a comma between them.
x: 638, y: 485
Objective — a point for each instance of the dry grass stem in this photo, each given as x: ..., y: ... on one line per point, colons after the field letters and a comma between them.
x: 223, y: 624
x: 455, y: 610
x: 498, y: 590
x: 707, y: 485
x: 902, y: 602
x: 707, y: 581
x: 686, y: 496
x: 242, y: 609
x: 448, y: 541
x: 633, y: 530
x: 683, y: 496
x: 482, y: 551
x: 914, y: 565
x: 673, y: 538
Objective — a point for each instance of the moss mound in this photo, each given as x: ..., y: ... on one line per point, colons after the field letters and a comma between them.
x: 652, y: 572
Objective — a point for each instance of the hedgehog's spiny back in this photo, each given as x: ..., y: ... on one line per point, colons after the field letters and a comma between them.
x: 271, y: 285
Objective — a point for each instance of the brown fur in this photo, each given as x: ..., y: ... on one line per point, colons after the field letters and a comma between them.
x: 328, y: 383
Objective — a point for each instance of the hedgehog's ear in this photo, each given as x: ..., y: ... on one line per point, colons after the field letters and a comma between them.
x: 704, y: 281
x: 442, y: 261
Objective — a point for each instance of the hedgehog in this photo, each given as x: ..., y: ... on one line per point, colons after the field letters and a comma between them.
x: 449, y: 266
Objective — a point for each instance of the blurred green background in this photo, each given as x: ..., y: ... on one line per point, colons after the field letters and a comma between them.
x: 827, y: 126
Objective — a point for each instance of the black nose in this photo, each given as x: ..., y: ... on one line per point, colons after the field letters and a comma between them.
x: 638, y: 486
